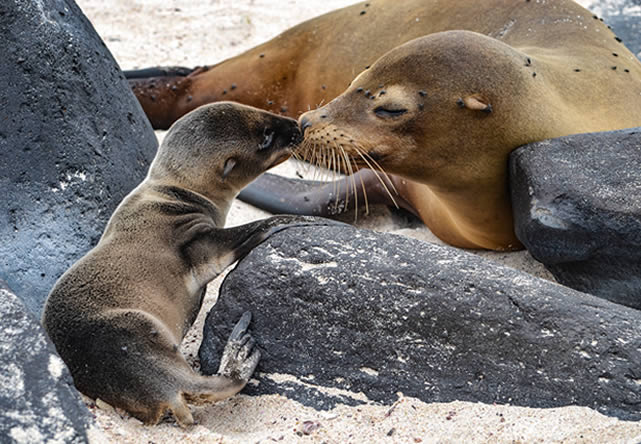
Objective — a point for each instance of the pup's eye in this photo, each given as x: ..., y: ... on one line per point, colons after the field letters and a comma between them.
x: 268, y: 139
x: 389, y: 112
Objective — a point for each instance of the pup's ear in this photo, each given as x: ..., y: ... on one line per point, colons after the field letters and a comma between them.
x: 229, y: 165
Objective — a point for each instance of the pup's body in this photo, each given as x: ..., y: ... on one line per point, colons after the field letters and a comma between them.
x: 118, y: 315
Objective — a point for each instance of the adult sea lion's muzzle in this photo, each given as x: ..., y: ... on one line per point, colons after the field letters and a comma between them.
x: 304, y: 123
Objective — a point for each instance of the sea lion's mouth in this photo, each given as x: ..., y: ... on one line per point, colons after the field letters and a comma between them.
x: 282, y: 157
x: 374, y: 156
x: 371, y: 159
x: 297, y: 138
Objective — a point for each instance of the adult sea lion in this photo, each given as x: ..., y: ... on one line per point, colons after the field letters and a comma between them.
x: 442, y: 113
x: 313, y: 62
x: 118, y: 315
x: 572, y: 75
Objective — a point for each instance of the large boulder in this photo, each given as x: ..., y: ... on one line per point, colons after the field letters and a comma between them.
x: 577, y: 209
x: 38, y: 402
x: 73, y: 138
x: 379, y: 314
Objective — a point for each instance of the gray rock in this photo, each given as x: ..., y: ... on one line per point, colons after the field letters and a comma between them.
x: 73, y: 138
x: 624, y: 16
x: 379, y: 314
x: 38, y: 402
x: 577, y: 209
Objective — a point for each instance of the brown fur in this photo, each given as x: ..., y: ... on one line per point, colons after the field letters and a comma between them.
x: 313, y: 62
x: 468, y: 101
x: 545, y: 68
x: 118, y: 315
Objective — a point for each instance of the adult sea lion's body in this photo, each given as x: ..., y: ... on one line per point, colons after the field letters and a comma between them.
x: 573, y: 75
x: 313, y: 62
x: 118, y: 315
x: 442, y: 113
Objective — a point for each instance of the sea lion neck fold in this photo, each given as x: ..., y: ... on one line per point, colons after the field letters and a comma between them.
x: 177, y: 201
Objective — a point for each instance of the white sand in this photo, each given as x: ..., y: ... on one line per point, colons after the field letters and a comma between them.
x: 144, y: 33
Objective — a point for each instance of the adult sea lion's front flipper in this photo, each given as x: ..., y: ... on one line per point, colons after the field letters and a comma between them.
x: 282, y: 195
x: 158, y: 71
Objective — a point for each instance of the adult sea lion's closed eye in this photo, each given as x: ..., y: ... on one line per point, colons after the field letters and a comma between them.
x: 389, y: 112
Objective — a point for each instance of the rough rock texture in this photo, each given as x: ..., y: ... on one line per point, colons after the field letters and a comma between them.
x: 38, y: 402
x: 73, y: 139
x: 577, y: 209
x: 380, y: 314
x: 624, y: 16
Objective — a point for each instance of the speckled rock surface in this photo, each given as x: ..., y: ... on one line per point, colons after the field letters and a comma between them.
x: 73, y: 140
x: 624, y: 16
x: 577, y: 208
x: 38, y: 402
x: 380, y: 314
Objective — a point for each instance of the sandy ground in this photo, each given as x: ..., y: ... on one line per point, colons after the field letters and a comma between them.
x: 144, y: 33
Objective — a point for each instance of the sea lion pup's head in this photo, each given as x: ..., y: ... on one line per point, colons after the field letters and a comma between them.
x: 438, y: 102
x: 219, y: 148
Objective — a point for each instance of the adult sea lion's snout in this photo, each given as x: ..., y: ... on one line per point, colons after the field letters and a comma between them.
x: 311, y: 118
x: 304, y: 123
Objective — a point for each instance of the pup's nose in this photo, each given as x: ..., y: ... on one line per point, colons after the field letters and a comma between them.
x: 304, y: 124
x: 297, y: 136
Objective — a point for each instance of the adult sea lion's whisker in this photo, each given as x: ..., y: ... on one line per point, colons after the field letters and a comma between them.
x: 296, y: 155
x: 380, y: 168
x: 364, y: 195
x: 351, y: 173
x: 326, y: 151
x: 334, y: 176
x: 380, y: 179
x: 347, y: 169
x: 307, y: 149
x: 355, y: 192
x: 315, y: 161
x: 311, y: 153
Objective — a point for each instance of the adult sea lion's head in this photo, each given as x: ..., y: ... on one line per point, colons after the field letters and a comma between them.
x: 443, y: 101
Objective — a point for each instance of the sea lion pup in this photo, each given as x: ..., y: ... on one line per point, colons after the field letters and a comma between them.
x: 119, y: 314
x: 443, y: 112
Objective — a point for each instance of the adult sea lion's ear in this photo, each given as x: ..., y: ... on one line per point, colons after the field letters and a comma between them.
x: 475, y: 102
x: 229, y: 165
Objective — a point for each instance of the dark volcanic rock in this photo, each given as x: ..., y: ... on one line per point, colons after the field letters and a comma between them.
x: 624, y: 16
x: 73, y: 139
x: 38, y: 402
x: 381, y: 314
x: 577, y: 209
